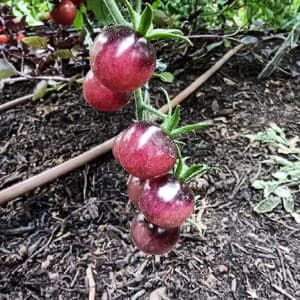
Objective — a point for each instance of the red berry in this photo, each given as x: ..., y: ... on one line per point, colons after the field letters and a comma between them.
x: 3, y: 39
x: 64, y: 13
x: 100, y: 97
x: 145, y: 151
x: 122, y: 59
x: 152, y: 239
x: 166, y: 201
x: 134, y: 187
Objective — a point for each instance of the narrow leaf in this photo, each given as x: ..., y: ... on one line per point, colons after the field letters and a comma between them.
x: 289, y: 204
x: 165, y: 77
x: 159, y: 34
x: 267, y: 205
x: 146, y: 20
x: 190, y: 128
x: 134, y: 16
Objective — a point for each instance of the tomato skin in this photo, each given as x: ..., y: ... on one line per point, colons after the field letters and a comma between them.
x: 64, y: 13
x: 152, y: 239
x: 166, y: 201
x: 100, y: 97
x: 4, y: 39
x: 77, y: 2
x: 134, y: 188
x: 122, y: 59
x: 145, y: 151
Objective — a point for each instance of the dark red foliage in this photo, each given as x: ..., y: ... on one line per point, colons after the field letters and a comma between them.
x: 152, y: 239
x: 166, y: 201
x: 122, y: 59
x: 145, y: 151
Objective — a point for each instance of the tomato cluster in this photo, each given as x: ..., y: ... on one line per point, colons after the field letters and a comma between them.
x: 121, y: 61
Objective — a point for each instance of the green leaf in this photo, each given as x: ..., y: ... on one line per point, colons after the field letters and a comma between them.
x: 100, y: 11
x: 212, y: 46
x: 63, y: 53
x: 40, y: 90
x: 282, y: 192
x: 7, y: 70
x: 259, y: 184
x: 171, y: 121
x: 146, y: 19
x: 78, y: 23
x: 165, y: 77
x: 267, y: 205
x: 288, y: 204
x: 196, y: 225
x: 159, y: 34
x: 134, y: 16
x: 189, y: 128
x: 36, y: 42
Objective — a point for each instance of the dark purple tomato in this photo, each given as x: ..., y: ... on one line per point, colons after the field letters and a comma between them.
x: 134, y: 186
x: 152, y: 239
x: 166, y: 201
x: 122, y: 59
x: 100, y: 97
x: 64, y: 13
x: 145, y: 151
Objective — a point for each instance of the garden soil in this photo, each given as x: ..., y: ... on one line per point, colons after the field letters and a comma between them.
x: 58, y: 239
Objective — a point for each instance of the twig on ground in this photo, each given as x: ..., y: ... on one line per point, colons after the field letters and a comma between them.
x: 92, y: 284
x: 47, y: 176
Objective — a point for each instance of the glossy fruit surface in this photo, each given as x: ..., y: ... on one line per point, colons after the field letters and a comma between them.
x: 166, y: 201
x: 64, y: 13
x: 145, y: 151
x: 122, y: 59
x: 134, y: 187
x: 3, y: 39
x: 100, y: 97
x: 152, y: 239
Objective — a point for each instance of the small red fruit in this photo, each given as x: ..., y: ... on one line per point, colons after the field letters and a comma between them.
x: 3, y: 39
x: 100, y: 97
x: 134, y: 187
x: 166, y: 201
x: 122, y: 59
x: 64, y: 13
x: 152, y: 239
x: 145, y: 151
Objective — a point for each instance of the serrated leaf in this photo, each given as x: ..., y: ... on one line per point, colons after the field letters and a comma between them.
x: 267, y: 205
x: 40, y: 90
x: 288, y: 204
x: 36, y: 42
x: 63, y: 53
x: 165, y: 77
x: 7, y: 70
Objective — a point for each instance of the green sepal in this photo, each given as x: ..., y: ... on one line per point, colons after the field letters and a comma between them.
x: 134, y: 16
x: 171, y: 121
x: 159, y: 34
x: 145, y: 22
x: 189, y: 128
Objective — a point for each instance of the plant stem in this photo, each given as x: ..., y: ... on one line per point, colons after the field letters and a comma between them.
x: 139, y: 105
x: 115, y: 12
x: 138, y: 6
x: 154, y: 111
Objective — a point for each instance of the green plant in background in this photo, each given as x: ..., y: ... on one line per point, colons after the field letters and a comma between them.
x: 286, y: 179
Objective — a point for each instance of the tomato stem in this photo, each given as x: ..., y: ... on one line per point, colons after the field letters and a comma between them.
x: 115, y: 12
x: 154, y: 111
x: 139, y: 103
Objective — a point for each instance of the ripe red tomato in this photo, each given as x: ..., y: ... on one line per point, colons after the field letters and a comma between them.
x: 166, y: 201
x: 122, y: 59
x: 100, y: 97
x: 145, y: 151
x: 3, y: 39
x: 64, y: 13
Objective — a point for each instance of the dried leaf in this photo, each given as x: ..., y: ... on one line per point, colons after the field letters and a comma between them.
x: 36, y: 42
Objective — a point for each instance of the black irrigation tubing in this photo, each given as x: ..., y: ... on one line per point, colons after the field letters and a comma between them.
x: 49, y: 175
